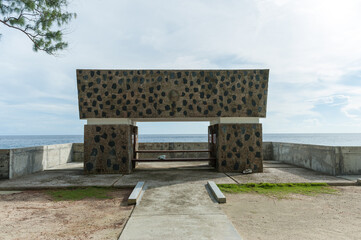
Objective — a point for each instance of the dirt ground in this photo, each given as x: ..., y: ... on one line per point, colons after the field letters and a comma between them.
x: 33, y: 215
x: 326, y: 216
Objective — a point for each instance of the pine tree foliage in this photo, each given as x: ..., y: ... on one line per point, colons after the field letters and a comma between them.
x: 40, y: 20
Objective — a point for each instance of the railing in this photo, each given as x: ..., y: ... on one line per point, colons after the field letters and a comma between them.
x: 171, y: 151
x: 172, y: 159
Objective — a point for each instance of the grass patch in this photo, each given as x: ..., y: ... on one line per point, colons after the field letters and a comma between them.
x: 279, y: 190
x: 73, y: 194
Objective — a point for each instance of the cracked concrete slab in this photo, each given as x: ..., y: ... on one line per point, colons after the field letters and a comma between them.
x: 171, y: 177
x: 9, y: 192
x: 178, y: 211
x: 59, y: 178
x: 68, y: 166
x: 179, y: 227
x: 350, y: 177
x: 287, y: 175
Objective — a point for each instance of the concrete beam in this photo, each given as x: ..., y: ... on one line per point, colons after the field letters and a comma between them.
x: 216, y: 192
x: 109, y: 121
x: 134, y: 196
x: 238, y: 120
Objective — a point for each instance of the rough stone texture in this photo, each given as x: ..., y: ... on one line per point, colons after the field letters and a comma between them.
x: 78, y: 152
x: 78, y: 149
x: 172, y: 93
x: 4, y: 163
x: 108, y: 148
x: 238, y: 147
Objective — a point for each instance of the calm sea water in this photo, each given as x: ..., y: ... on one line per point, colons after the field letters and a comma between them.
x: 329, y: 139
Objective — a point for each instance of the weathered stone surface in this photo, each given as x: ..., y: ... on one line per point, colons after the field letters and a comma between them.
x: 238, y: 147
x: 108, y: 148
x: 4, y: 163
x: 172, y: 93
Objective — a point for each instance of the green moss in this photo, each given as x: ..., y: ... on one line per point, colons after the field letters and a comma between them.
x: 279, y: 190
x: 73, y: 194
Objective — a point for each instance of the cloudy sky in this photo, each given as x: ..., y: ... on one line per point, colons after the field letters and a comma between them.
x: 312, y: 49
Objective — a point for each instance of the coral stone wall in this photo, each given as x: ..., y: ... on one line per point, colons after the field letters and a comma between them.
x: 172, y: 93
x: 4, y: 163
x: 238, y: 147
x: 108, y: 148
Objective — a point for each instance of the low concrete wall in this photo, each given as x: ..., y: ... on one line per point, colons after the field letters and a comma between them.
x: 78, y: 152
x: 267, y: 150
x: 351, y: 160
x: 319, y: 158
x: 24, y: 161
x: 174, y: 146
x: 4, y: 163
x: 325, y: 159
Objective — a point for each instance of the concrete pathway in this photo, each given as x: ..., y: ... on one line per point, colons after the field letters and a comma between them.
x: 72, y: 175
x: 277, y: 172
x: 178, y: 211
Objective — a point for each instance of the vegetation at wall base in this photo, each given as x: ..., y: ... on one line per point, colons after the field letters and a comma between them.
x: 279, y: 190
x: 73, y: 194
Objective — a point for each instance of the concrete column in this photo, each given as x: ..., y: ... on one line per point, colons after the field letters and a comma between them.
x: 108, y: 148
x: 238, y: 147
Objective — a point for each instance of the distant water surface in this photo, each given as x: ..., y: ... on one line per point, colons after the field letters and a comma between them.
x: 20, y: 141
x: 328, y: 139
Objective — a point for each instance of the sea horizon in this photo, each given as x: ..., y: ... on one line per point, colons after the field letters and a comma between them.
x: 326, y: 139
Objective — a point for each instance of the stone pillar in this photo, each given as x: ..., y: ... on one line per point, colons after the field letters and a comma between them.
x: 108, y: 148
x: 238, y: 147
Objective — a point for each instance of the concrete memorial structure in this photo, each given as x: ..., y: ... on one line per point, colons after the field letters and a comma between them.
x: 112, y: 101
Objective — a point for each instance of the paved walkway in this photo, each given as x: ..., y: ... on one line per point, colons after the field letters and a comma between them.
x: 178, y: 211
x: 72, y: 175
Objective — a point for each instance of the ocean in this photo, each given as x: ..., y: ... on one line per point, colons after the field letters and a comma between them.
x: 328, y: 139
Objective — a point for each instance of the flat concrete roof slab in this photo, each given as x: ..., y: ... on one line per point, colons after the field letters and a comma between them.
x: 271, y: 161
x: 180, y: 198
x: 68, y: 166
x: 278, y: 165
x: 178, y: 211
x: 9, y: 192
x: 180, y: 227
x: 286, y: 175
x: 173, y: 165
x: 54, y: 179
x: 350, y: 177
x: 170, y: 177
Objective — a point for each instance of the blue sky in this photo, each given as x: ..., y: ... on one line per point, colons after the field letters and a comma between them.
x: 312, y: 49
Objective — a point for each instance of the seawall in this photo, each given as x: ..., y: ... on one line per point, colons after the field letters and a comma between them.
x: 326, y: 159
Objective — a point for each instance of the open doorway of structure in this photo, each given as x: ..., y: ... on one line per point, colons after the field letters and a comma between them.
x: 173, y: 145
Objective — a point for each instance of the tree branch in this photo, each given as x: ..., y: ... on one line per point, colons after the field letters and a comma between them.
x: 26, y: 33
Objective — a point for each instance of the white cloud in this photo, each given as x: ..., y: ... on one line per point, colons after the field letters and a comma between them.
x: 311, y: 47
